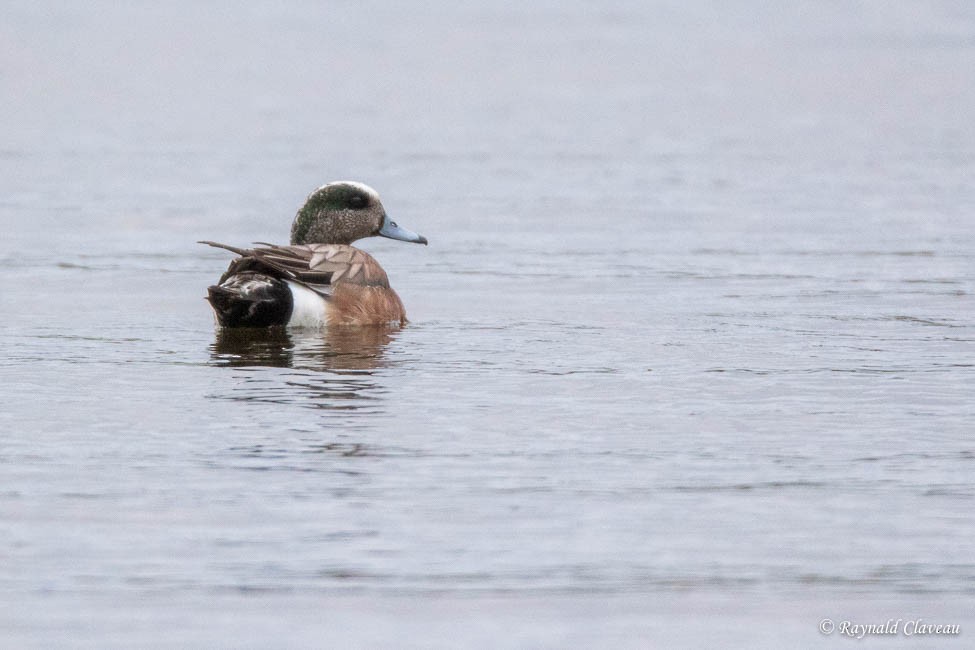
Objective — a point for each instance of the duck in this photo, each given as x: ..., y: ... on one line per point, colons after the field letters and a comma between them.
x: 319, y: 279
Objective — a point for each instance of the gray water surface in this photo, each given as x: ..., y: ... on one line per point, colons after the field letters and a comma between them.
x: 691, y: 353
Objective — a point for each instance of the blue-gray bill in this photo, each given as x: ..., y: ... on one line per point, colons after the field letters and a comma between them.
x: 393, y: 231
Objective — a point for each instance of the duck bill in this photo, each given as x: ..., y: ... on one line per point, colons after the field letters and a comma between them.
x: 391, y: 230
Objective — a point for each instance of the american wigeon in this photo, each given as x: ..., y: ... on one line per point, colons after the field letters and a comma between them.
x: 320, y: 279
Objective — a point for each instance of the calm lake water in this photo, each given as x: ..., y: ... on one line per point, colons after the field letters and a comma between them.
x: 691, y: 356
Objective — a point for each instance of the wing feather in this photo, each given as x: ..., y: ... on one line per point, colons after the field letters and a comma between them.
x: 318, y: 266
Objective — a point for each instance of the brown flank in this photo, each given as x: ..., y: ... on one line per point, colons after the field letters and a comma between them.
x: 356, y: 304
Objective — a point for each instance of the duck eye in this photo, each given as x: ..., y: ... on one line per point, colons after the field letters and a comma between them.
x: 357, y: 201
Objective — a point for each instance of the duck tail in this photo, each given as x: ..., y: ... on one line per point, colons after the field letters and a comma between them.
x: 251, y: 300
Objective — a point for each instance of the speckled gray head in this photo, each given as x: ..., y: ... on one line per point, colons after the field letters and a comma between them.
x: 343, y: 212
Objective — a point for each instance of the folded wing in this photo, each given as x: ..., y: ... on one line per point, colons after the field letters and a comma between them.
x: 320, y: 267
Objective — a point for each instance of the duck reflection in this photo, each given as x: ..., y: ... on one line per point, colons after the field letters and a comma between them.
x: 327, y: 369
x: 335, y: 348
x: 243, y: 347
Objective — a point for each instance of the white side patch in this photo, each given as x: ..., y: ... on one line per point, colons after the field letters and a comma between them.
x: 309, y: 307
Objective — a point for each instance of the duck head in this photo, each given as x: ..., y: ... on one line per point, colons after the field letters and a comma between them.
x: 343, y: 212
